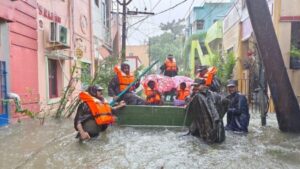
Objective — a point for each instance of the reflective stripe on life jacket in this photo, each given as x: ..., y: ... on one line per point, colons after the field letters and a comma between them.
x: 124, y: 79
x: 171, y: 65
x: 155, y: 99
x: 100, y: 111
x: 182, y: 94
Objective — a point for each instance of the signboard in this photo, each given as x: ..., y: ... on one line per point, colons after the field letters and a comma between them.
x: 48, y: 14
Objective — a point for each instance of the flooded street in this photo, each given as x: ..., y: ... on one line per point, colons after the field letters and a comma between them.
x: 30, y: 145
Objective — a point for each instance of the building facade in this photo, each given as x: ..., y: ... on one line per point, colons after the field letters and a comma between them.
x: 64, y: 38
x: 239, y: 38
x: 201, y: 18
x: 47, y: 40
x: 139, y: 51
x: 18, y: 50
x: 202, y: 23
x: 287, y: 26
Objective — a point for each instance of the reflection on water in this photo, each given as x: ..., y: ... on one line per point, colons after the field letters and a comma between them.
x: 29, y: 145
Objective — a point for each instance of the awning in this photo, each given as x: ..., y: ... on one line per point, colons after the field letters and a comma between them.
x: 57, y: 56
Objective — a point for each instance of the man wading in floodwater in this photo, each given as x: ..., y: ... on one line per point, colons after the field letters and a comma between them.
x: 94, y: 114
x: 206, y: 110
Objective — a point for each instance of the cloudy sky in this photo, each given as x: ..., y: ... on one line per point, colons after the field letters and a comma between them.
x: 139, y: 33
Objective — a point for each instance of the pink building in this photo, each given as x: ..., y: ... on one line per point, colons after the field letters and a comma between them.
x: 42, y: 40
x: 64, y: 38
x: 18, y: 50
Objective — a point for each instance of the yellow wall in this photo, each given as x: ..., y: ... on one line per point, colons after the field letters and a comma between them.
x: 288, y: 8
x: 283, y: 32
x: 232, y: 38
x: 142, y: 51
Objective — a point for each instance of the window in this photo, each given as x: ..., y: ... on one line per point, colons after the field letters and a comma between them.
x: 85, y: 73
x: 295, y: 46
x: 52, y: 75
x: 199, y: 24
x: 97, y: 3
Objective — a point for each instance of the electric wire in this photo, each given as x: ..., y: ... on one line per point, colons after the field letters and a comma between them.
x: 163, y: 11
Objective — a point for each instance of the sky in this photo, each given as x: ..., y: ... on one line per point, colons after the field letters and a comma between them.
x: 139, y: 33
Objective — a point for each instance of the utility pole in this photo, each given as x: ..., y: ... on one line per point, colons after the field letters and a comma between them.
x: 124, y: 29
x: 286, y: 104
x: 124, y: 5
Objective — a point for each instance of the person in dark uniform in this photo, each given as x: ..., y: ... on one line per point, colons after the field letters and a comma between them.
x: 169, y: 68
x: 206, y: 110
x: 94, y: 114
x: 121, y: 80
x: 238, y: 112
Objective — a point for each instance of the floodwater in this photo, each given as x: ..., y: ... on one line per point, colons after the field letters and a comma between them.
x: 52, y: 145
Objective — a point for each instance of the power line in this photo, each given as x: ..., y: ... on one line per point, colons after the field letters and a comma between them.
x: 171, y: 7
x: 189, y: 8
x: 159, y: 12
x: 157, y: 3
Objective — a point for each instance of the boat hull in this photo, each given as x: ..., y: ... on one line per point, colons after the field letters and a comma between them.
x: 152, y: 116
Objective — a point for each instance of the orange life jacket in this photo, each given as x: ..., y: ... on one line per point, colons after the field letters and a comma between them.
x: 182, y: 94
x: 171, y: 65
x: 124, y: 79
x: 209, y: 75
x: 156, y: 99
x: 100, y: 111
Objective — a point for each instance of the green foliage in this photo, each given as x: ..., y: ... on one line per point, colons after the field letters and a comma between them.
x: 224, y: 65
x: 104, y: 71
x: 86, y: 77
x: 176, y: 28
x: 67, y: 93
x: 295, y: 52
x: 27, y: 113
x: 103, y: 74
x: 164, y: 44
x: 138, y: 71
x: 170, y: 42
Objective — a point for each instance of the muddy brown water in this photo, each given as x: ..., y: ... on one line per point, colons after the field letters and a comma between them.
x: 52, y: 145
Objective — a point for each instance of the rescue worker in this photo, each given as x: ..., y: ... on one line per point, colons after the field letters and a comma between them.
x: 169, y: 68
x: 94, y: 114
x: 238, y: 112
x: 209, y: 75
x: 182, y: 94
x: 120, y: 82
x: 153, y: 96
x: 195, y: 89
x: 206, y: 109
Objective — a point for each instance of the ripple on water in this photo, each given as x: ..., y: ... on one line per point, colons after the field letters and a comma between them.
x: 29, y: 145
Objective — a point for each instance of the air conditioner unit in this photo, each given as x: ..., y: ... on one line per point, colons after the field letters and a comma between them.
x: 58, y: 34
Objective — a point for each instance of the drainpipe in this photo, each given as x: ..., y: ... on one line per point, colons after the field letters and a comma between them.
x: 16, y: 99
x: 92, y: 47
